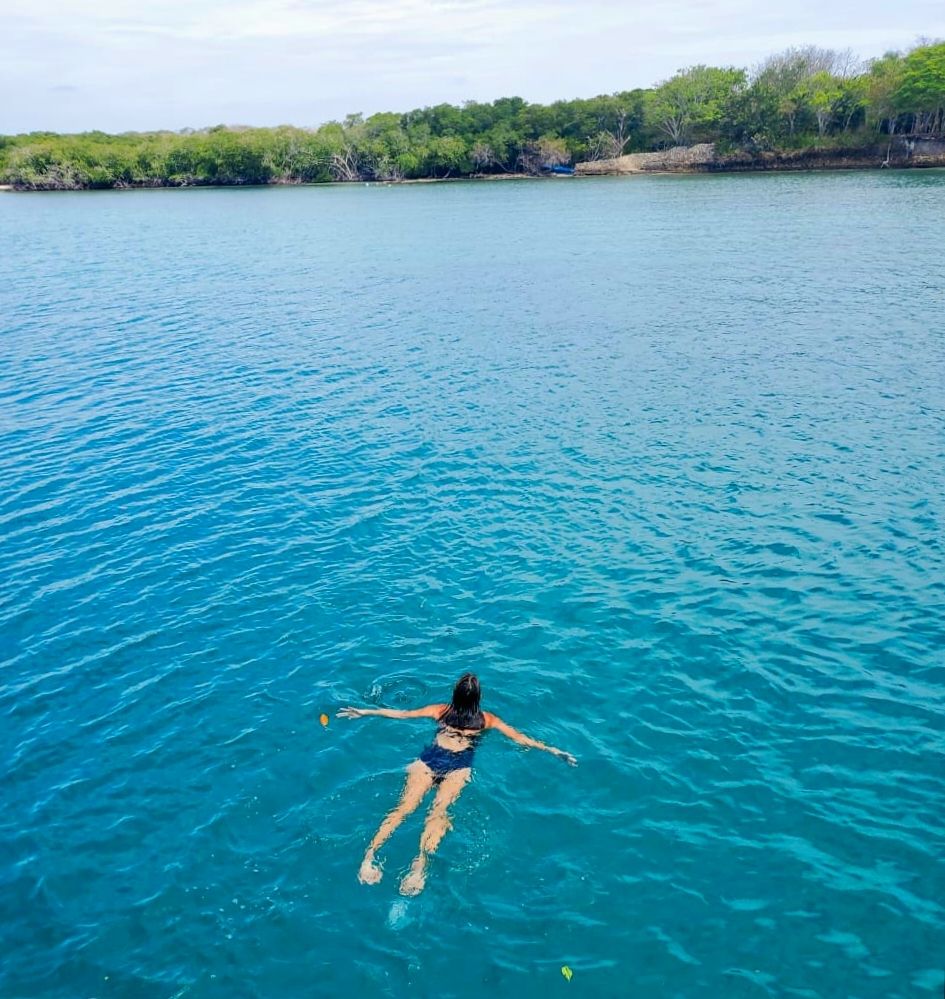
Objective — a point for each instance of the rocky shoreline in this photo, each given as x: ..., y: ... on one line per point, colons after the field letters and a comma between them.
x: 899, y: 152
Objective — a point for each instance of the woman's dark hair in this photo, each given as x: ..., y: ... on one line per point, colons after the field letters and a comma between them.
x: 463, y: 710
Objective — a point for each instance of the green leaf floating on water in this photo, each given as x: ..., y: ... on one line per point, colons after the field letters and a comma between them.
x: 567, y: 972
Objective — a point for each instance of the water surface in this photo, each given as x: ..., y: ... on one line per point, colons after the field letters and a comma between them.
x: 662, y: 459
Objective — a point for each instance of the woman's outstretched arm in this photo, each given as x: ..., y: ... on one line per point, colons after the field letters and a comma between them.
x: 494, y: 721
x: 430, y: 711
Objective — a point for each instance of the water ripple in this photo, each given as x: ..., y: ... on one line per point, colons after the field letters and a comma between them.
x: 676, y: 497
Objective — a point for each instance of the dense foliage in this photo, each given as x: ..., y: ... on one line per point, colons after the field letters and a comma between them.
x: 801, y: 97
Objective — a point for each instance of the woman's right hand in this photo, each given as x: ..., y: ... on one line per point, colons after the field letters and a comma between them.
x: 351, y: 713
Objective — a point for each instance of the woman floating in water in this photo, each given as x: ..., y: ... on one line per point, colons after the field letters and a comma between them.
x: 446, y: 762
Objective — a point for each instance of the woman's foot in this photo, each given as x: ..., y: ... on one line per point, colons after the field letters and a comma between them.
x: 370, y: 871
x: 415, y: 879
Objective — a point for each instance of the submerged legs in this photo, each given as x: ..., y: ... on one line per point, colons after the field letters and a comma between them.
x: 435, y: 828
x: 419, y: 781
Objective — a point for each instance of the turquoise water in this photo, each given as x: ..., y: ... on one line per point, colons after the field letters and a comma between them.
x: 662, y: 459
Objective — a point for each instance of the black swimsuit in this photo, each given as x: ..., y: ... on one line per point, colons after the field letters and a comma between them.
x: 443, y: 761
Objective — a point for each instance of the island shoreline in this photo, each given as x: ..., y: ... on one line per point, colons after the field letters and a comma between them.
x: 597, y: 169
x: 798, y: 110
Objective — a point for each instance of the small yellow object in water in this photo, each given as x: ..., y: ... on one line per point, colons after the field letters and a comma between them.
x: 323, y: 719
x: 567, y: 972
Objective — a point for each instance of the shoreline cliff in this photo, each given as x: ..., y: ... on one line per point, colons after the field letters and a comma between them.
x: 899, y: 152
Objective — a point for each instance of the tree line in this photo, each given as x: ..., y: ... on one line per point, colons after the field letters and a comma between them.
x: 802, y: 97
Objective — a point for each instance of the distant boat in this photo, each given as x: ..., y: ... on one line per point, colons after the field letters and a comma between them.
x: 560, y: 171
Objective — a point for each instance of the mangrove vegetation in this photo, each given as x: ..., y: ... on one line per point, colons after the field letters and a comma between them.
x: 801, y: 98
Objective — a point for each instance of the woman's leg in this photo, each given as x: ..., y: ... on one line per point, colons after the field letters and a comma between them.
x: 435, y: 828
x: 419, y: 781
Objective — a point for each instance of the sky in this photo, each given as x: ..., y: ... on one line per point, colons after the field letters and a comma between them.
x: 118, y: 66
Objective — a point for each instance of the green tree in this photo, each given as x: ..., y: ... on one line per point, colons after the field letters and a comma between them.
x: 921, y: 88
x: 693, y: 101
x: 824, y: 92
x: 805, y: 85
x: 851, y: 101
x: 446, y: 155
x: 882, y: 86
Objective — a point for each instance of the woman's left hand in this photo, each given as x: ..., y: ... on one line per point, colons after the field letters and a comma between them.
x: 351, y: 713
x: 567, y: 757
